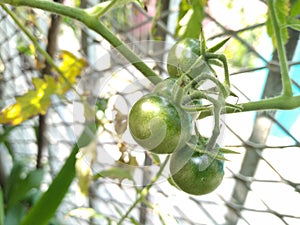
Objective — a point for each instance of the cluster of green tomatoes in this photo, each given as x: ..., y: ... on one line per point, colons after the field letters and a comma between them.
x: 164, y: 121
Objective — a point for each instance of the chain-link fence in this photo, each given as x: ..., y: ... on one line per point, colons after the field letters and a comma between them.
x: 261, y: 184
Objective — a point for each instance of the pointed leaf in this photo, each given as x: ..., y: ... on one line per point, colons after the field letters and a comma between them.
x: 228, y: 151
x: 170, y: 180
x: 218, y: 46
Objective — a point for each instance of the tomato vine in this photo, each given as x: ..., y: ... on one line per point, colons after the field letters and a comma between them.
x: 286, y: 101
x: 90, y: 18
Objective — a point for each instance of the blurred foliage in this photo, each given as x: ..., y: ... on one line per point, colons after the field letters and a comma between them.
x: 190, y: 16
x: 37, y: 101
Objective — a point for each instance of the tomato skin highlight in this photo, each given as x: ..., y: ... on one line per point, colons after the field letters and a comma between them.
x: 186, y: 172
x: 182, y: 57
x: 158, y: 125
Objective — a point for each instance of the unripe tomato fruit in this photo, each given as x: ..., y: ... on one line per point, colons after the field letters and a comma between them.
x: 158, y: 125
x: 183, y: 55
x: 186, y: 172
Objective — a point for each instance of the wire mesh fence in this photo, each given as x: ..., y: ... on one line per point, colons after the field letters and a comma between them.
x: 261, y: 184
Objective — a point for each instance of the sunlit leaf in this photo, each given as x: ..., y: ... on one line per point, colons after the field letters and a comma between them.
x: 189, y: 19
x: 32, y: 103
x: 282, y: 10
x: 84, y: 160
x: 37, y: 101
x: 71, y: 67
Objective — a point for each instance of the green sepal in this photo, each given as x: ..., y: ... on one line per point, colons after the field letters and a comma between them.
x: 218, y: 46
x: 228, y: 151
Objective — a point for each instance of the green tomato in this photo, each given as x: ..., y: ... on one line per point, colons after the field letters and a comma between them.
x: 158, y: 125
x: 182, y: 57
x: 188, y: 174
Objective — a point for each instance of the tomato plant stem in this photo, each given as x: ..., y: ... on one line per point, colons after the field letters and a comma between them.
x: 144, y: 192
x: 281, y: 102
x: 286, y: 81
x: 92, y: 22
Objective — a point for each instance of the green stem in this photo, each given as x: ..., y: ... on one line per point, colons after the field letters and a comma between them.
x: 94, y: 24
x: 286, y: 81
x: 281, y: 102
x: 144, y: 191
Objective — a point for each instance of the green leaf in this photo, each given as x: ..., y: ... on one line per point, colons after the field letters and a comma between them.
x: 218, y: 45
x: 282, y: 10
x: 134, y: 221
x: 1, y: 207
x: 295, y: 8
x: 189, y: 19
x: 171, y: 182
x: 293, y: 23
x: 15, y: 214
x: 46, y: 206
x: 228, y: 151
x: 18, y: 178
